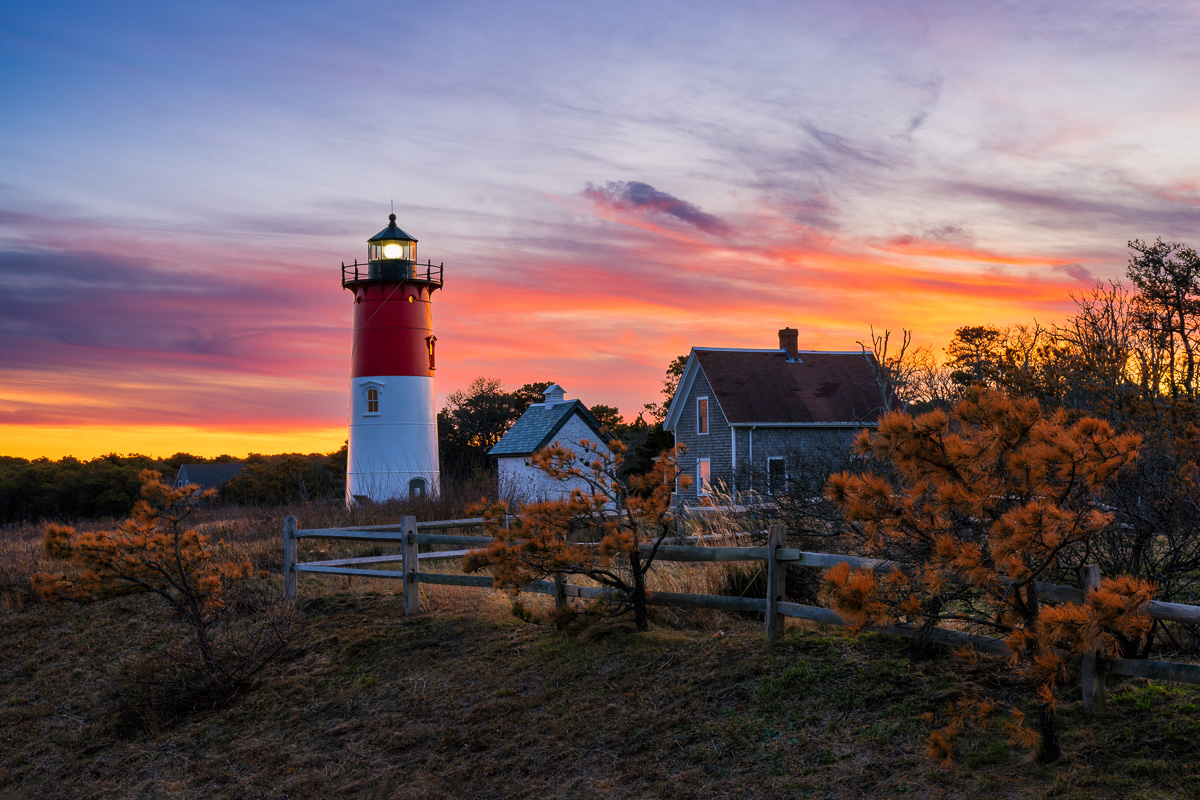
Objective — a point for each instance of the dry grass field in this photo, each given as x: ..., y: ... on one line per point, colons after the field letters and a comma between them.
x: 464, y: 701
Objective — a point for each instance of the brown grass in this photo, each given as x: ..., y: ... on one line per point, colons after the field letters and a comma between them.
x: 463, y: 701
x: 367, y: 703
x: 20, y: 557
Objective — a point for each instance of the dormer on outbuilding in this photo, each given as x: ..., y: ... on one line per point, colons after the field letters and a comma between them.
x: 554, y: 395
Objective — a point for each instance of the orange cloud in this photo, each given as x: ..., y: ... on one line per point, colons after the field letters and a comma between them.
x: 138, y: 360
x: 909, y: 246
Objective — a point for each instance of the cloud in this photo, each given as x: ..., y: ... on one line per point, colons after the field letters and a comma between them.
x: 1135, y: 207
x: 103, y: 339
x: 112, y: 305
x: 841, y: 149
x: 932, y: 90
x: 1077, y: 271
x: 642, y: 198
x: 955, y: 248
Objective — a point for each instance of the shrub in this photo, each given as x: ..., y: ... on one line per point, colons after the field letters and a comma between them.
x: 233, y: 625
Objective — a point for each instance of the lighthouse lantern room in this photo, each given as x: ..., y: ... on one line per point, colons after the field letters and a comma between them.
x: 392, y: 449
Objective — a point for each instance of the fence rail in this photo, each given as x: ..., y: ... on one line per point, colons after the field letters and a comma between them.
x: 774, y: 607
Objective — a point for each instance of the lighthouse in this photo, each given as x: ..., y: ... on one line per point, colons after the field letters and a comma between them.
x: 393, y: 449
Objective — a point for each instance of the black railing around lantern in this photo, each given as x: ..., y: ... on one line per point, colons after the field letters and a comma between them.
x: 391, y: 270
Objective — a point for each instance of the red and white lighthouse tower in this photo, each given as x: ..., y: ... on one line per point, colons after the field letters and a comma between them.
x: 393, y: 446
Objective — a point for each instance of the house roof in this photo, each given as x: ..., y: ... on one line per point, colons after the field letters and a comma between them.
x: 765, y: 387
x: 538, y: 426
x: 208, y: 476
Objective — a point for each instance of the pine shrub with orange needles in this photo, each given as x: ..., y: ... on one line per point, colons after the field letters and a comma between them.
x: 156, y: 551
x: 984, y: 502
x: 596, y: 532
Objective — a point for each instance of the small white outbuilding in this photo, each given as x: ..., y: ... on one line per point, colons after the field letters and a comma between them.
x: 554, y: 421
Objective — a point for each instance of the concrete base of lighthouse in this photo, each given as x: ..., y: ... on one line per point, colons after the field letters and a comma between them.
x: 393, y: 447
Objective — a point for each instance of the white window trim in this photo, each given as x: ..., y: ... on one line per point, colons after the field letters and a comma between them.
x: 701, y: 490
x: 769, y: 460
x: 365, y: 389
x: 707, y: 416
x: 678, y: 472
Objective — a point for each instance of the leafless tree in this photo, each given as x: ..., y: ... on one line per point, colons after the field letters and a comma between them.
x: 1098, y: 347
x: 892, y: 371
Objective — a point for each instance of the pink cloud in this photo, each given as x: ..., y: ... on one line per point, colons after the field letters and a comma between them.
x: 97, y: 339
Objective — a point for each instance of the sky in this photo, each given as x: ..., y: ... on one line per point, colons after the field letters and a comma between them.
x: 607, y: 183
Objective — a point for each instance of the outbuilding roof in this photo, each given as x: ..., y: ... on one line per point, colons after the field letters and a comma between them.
x: 538, y: 426
x: 768, y: 387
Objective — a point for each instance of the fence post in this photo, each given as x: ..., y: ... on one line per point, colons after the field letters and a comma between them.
x: 289, y: 559
x: 412, y: 589
x: 1093, y: 678
x: 776, y: 572
x: 560, y: 591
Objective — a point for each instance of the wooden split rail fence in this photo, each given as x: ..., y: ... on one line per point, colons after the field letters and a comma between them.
x: 411, y: 534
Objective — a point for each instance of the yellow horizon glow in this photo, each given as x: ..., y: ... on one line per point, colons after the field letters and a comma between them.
x: 86, y: 442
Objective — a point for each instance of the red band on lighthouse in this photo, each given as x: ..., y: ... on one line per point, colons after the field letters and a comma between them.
x: 391, y: 331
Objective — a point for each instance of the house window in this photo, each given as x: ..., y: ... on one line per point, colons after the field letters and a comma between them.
x: 701, y: 415
x: 372, y: 401
x: 416, y: 487
x: 702, y: 477
x: 776, y: 476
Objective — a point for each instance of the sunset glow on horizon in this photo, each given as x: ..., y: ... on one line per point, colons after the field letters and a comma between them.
x: 603, y: 193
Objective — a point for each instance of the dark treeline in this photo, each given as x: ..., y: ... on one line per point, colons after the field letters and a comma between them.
x: 108, y: 486
x: 288, y: 478
x: 70, y: 488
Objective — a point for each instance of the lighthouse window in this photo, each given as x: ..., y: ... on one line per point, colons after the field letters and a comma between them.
x: 372, y: 401
x: 416, y: 487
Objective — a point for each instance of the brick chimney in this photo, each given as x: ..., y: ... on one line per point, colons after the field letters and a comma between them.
x: 789, y: 339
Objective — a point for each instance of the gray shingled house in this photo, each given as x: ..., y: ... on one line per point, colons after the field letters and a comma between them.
x: 556, y: 420
x: 748, y: 416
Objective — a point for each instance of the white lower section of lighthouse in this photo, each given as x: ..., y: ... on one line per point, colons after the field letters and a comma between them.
x: 393, y: 447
